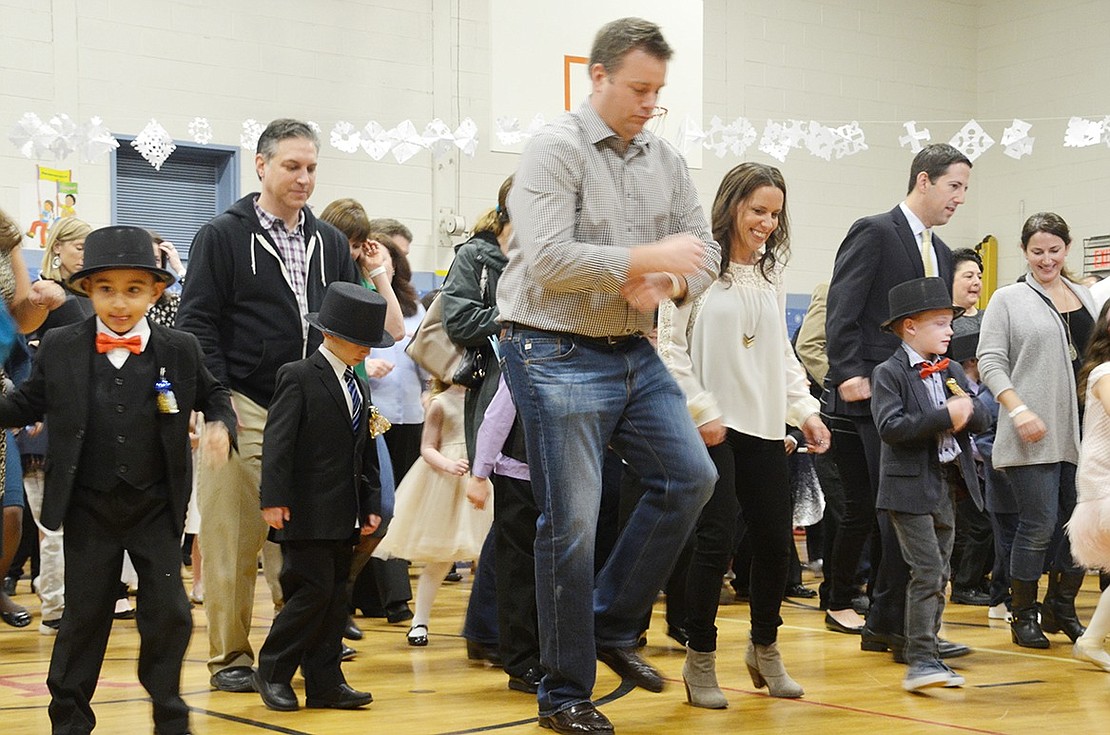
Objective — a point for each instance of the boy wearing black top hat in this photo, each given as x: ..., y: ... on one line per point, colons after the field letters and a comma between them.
x: 319, y: 492
x: 924, y: 415
x: 117, y: 391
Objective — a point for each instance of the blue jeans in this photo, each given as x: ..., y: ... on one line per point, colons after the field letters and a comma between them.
x: 575, y: 397
x: 1045, y: 495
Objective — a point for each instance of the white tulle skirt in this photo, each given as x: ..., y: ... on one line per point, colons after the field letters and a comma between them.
x: 1089, y: 533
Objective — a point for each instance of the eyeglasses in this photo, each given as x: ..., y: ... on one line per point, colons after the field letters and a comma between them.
x: 658, y: 120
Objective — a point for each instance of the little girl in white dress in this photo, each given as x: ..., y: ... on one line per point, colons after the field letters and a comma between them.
x: 432, y: 521
x: 1089, y: 527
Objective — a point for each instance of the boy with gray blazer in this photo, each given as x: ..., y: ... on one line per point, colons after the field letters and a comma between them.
x: 924, y: 415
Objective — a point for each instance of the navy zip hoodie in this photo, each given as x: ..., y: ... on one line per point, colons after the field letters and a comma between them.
x: 239, y: 304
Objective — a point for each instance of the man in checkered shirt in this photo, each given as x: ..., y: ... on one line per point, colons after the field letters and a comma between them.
x: 607, y: 224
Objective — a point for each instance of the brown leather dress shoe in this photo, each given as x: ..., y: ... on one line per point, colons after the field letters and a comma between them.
x: 628, y: 664
x: 581, y: 717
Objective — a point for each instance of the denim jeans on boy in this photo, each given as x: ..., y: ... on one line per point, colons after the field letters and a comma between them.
x: 1045, y: 495
x: 575, y: 396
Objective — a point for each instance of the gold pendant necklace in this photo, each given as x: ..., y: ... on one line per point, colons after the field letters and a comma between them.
x: 1072, y: 352
x: 749, y: 340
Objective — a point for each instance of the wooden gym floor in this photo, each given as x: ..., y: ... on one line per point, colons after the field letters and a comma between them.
x: 435, y: 691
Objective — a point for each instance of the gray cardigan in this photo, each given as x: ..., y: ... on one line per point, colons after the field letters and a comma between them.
x: 1023, y: 346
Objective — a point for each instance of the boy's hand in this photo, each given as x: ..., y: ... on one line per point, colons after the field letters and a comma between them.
x: 959, y: 411
x: 477, y: 491
x: 215, y: 444
x: 370, y: 525
x: 275, y: 517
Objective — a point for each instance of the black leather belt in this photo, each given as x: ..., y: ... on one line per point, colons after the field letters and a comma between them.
x: 618, y: 340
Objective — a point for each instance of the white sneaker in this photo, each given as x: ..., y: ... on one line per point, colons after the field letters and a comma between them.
x: 50, y: 627
x: 1000, y: 612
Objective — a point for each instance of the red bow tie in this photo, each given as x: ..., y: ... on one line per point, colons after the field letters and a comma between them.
x: 928, y: 368
x: 106, y: 342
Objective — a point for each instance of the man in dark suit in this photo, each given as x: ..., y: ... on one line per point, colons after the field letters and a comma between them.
x: 924, y: 413
x: 320, y: 482
x: 118, y: 390
x: 878, y: 253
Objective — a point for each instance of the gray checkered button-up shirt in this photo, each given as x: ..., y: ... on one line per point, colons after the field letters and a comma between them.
x: 578, y: 205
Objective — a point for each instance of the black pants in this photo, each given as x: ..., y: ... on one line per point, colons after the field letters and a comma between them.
x: 403, y: 442
x: 888, y: 596
x: 99, y: 527
x: 514, y: 524
x: 753, y: 477
x: 308, y: 630
x: 857, y: 522
x: 973, y: 553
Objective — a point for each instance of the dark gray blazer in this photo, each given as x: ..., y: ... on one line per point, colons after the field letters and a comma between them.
x: 910, y: 479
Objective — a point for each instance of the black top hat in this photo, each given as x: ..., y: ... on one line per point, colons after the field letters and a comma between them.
x: 353, y: 313
x: 963, y: 347
x: 916, y: 296
x: 122, y: 246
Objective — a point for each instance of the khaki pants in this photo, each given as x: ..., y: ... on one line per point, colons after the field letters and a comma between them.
x: 232, y: 535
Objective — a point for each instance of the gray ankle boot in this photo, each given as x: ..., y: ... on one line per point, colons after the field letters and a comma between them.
x: 699, y: 673
x: 765, y: 666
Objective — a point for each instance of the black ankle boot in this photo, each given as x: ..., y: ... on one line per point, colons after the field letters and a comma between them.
x: 1058, y: 612
x: 1024, y: 629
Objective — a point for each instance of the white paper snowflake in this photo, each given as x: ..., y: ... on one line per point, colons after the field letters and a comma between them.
x: 200, y: 130
x: 248, y: 138
x: 535, y: 125
x: 375, y: 140
x: 1019, y: 148
x: 507, y: 130
x: 972, y: 140
x: 96, y: 140
x: 852, y: 140
x: 438, y: 138
x: 1018, y: 129
x: 775, y: 142
x: 315, y: 127
x: 345, y: 137
x: 914, y: 138
x: 690, y: 136
x: 739, y: 135
x: 32, y: 136
x: 795, y: 132
x: 1082, y: 133
x: 466, y: 137
x: 821, y: 140
x: 154, y: 144
x: 65, y: 140
x: 406, y: 141
x: 714, y: 137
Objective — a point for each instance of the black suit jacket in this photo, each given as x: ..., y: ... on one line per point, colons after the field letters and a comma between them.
x: 910, y: 479
x: 58, y: 390
x: 878, y: 253
x: 312, y: 463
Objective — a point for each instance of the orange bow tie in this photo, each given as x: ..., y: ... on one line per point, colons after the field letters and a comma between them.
x: 106, y: 342
x: 928, y: 368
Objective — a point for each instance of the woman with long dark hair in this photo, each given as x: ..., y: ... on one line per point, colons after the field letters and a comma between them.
x: 730, y: 353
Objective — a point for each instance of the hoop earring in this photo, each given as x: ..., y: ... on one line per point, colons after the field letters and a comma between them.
x: 56, y: 261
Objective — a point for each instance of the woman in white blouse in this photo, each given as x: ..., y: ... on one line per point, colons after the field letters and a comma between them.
x: 729, y: 351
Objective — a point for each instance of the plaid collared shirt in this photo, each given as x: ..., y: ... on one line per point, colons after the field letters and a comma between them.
x: 579, y: 204
x: 291, y: 246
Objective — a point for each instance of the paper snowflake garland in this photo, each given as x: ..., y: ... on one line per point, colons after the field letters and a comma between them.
x: 1016, y: 142
x: 739, y: 136
x: 96, y: 140
x: 154, y: 144
x: 406, y: 141
x: 821, y: 140
x: 851, y: 140
x: 345, y: 137
x: 914, y: 138
x: 971, y: 140
x: 248, y: 138
x: 438, y: 138
x: 31, y: 136
x: 775, y: 142
x: 200, y: 130
x: 1082, y: 133
x: 466, y: 137
x: 375, y: 140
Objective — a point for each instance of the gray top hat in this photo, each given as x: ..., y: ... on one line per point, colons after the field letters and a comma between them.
x: 119, y: 247
x: 918, y: 295
x: 353, y: 313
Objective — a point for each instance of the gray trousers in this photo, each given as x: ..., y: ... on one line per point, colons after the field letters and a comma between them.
x: 926, y: 542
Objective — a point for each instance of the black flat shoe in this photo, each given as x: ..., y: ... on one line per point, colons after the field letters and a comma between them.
x: 276, y: 696
x: 581, y: 717
x: 341, y: 697
x: 351, y: 631
x: 233, y: 679
x: 800, y: 591
x: 838, y: 627
x: 476, y: 651
x: 17, y: 618
x: 628, y: 664
x: 398, y: 613
x: 678, y: 634
x: 347, y: 653
x: 528, y: 682
x: 418, y: 635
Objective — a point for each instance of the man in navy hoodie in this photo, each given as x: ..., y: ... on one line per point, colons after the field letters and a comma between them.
x: 255, y: 271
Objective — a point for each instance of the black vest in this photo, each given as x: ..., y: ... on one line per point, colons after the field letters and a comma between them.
x: 122, y: 441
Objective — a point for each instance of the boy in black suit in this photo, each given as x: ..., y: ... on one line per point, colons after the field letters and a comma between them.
x: 319, y: 486
x: 926, y: 454
x: 118, y: 390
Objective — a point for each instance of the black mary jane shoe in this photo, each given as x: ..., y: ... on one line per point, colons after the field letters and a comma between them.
x: 418, y: 635
x: 17, y: 618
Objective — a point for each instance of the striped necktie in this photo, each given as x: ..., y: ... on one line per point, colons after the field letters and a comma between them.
x: 356, y: 397
x: 926, y: 255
